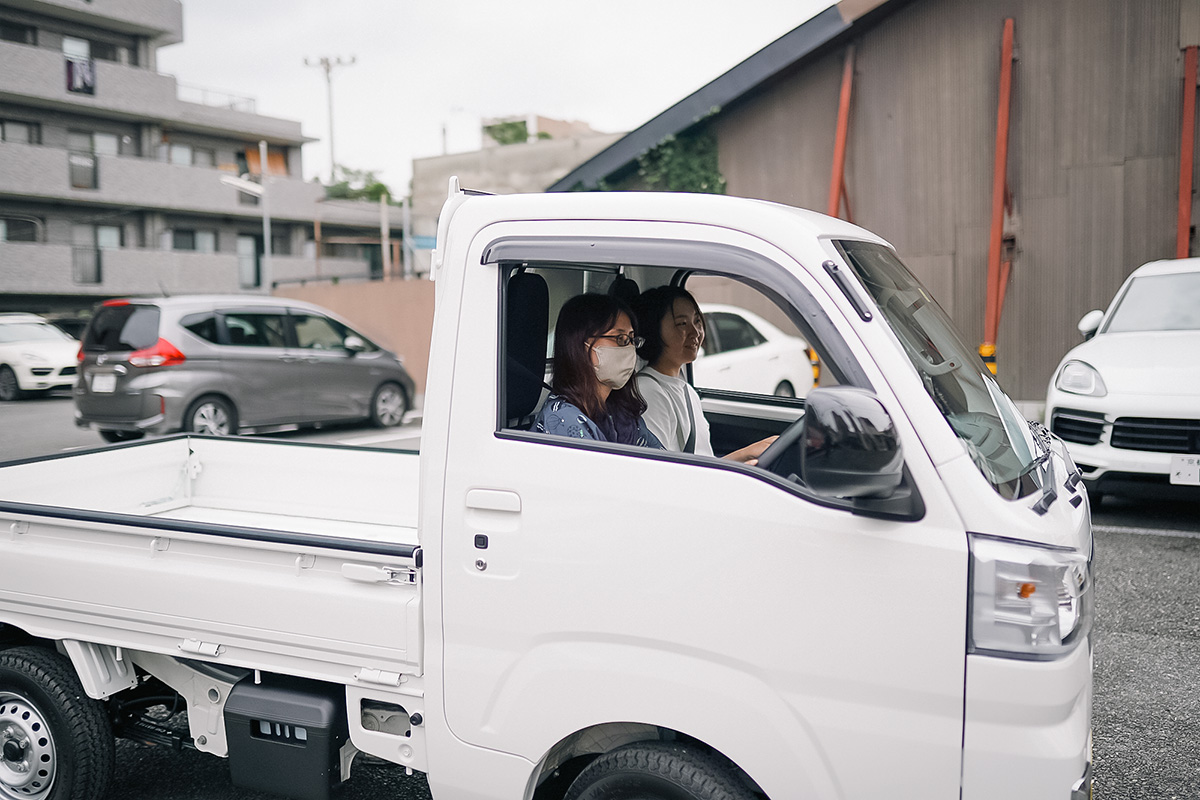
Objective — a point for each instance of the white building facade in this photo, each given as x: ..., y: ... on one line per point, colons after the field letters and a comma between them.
x: 110, y: 173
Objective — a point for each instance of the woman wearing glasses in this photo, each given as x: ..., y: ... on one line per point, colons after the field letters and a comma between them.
x: 673, y: 326
x: 595, y: 354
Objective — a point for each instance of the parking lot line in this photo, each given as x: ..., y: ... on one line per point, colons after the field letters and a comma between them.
x: 1145, y: 531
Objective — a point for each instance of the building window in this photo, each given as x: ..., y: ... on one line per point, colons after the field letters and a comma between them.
x: 77, y: 48
x: 20, y: 132
x: 18, y: 230
x: 21, y: 34
x: 89, y: 241
x: 199, y: 241
x: 110, y: 236
x: 81, y: 70
x: 82, y: 167
x: 204, y: 157
x: 105, y: 51
x: 106, y: 144
x: 183, y: 239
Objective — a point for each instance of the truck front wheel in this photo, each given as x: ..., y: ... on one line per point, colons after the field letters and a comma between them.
x: 658, y: 771
x: 55, y: 742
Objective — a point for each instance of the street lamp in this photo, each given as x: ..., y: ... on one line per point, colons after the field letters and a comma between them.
x: 258, y: 190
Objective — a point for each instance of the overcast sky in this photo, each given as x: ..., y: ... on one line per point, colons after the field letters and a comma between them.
x: 424, y: 64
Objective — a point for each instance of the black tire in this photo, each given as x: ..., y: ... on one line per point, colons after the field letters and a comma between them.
x: 57, y: 742
x: 658, y: 771
x: 121, y: 436
x: 785, y: 389
x: 212, y: 416
x: 9, y: 388
x: 389, y: 404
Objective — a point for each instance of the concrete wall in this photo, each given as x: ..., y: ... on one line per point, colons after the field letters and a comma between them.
x: 395, y: 314
x: 1093, y: 154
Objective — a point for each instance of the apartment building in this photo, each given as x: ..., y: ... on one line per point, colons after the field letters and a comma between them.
x: 111, y: 173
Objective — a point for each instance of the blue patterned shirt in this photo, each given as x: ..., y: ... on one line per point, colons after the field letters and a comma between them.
x: 560, y: 417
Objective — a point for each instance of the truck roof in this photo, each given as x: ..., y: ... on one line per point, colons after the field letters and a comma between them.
x: 773, y: 221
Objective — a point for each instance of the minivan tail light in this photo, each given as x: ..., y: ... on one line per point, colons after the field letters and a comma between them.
x: 162, y: 354
x: 79, y: 355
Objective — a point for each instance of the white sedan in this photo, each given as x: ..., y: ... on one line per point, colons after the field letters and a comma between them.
x: 1127, y: 401
x: 35, y: 356
x: 744, y: 353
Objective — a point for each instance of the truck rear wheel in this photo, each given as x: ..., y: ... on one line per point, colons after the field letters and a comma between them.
x: 55, y: 742
x: 658, y: 771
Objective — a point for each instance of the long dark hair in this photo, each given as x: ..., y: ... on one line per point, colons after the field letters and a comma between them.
x: 581, y: 318
x: 651, y: 307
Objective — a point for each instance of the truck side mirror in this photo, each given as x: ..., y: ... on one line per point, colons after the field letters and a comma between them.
x: 850, y: 446
x: 354, y: 344
x: 1090, y: 323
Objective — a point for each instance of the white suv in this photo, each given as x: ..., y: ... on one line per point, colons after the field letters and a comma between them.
x: 35, y: 356
x: 1127, y: 401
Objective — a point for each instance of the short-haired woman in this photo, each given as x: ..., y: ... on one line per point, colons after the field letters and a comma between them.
x: 595, y: 354
x: 670, y: 319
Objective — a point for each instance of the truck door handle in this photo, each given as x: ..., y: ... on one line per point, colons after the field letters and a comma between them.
x: 494, y: 500
x: 289, y: 359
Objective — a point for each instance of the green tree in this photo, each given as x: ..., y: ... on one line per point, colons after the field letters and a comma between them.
x: 683, y: 163
x: 357, y: 185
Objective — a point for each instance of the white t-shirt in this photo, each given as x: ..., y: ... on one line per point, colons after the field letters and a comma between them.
x: 667, y: 411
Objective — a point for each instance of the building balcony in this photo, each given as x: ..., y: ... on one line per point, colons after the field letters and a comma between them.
x: 51, y: 269
x: 41, y: 76
x: 161, y: 20
x: 45, y: 173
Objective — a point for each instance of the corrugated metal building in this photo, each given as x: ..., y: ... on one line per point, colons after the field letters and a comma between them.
x: 1094, y: 147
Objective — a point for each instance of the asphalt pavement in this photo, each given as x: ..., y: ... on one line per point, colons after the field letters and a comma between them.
x: 1146, y: 642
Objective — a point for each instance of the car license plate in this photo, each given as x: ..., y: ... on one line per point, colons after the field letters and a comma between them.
x: 1185, y: 470
x: 104, y: 382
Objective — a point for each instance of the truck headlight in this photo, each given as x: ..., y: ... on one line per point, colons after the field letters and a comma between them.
x: 1027, y: 601
x: 1077, y: 377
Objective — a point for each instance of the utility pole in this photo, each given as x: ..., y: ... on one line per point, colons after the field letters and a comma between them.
x: 327, y: 63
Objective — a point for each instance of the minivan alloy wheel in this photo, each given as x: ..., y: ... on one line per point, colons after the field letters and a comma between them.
x: 388, y: 406
x: 211, y: 416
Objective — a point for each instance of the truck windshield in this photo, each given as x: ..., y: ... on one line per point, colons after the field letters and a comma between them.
x: 986, y: 421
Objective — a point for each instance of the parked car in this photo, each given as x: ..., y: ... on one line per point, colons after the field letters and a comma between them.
x: 218, y: 365
x: 35, y: 356
x: 1127, y: 400
x: 745, y: 353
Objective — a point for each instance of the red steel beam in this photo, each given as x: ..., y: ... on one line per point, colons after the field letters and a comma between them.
x: 991, y: 324
x: 1187, y: 148
x: 838, y: 180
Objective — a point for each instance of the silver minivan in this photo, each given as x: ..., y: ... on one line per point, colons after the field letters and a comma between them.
x: 223, y: 364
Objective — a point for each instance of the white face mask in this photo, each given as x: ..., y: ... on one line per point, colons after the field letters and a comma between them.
x: 614, y: 365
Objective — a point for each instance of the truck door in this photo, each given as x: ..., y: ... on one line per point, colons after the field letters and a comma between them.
x: 586, y: 583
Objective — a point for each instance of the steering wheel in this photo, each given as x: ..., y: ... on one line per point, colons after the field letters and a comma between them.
x: 773, y: 460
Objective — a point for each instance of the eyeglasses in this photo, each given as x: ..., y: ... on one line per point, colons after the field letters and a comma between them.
x: 624, y: 339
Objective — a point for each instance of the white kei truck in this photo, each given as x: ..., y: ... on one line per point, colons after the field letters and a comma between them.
x: 896, y: 601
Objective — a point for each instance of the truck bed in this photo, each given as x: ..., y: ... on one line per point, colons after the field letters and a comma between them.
x: 296, y: 558
x: 353, y: 495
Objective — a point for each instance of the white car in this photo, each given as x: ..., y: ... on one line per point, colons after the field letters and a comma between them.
x: 745, y: 353
x: 35, y: 356
x: 1127, y: 401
